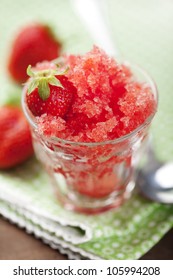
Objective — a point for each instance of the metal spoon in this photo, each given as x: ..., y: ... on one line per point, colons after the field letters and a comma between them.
x: 92, y: 14
x: 155, y: 180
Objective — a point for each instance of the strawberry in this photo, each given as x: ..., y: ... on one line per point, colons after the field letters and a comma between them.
x: 33, y: 44
x: 49, y: 90
x: 15, y: 137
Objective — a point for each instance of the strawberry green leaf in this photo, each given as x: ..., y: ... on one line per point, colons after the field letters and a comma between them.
x: 59, y: 61
x: 33, y: 84
x: 63, y: 71
x: 55, y: 82
x: 29, y: 71
x: 43, y: 89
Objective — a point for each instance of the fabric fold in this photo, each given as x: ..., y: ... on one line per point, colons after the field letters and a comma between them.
x: 49, y: 237
x: 70, y: 231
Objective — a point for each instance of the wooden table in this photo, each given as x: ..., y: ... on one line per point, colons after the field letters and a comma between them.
x: 16, y: 244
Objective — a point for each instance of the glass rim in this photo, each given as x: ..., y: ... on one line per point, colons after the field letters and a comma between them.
x: 118, y: 140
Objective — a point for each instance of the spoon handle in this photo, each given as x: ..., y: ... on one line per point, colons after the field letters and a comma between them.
x: 91, y: 13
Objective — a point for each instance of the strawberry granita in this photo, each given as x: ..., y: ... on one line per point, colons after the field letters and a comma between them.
x: 89, y: 121
x: 109, y: 102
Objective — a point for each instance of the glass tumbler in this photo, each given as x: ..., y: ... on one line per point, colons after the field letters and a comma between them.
x: 92, y: 177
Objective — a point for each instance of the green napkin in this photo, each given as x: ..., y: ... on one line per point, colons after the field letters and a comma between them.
x: 142, y: 31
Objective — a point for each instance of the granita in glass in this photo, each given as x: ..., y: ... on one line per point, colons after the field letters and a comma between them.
x: 89, y: 116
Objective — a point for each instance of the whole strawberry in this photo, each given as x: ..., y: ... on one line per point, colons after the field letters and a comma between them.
x: 33, y: 44
x: 48, y: 90
x: 15, y: 137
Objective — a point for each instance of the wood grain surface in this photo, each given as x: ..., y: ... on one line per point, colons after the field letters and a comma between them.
x: 16, y: 244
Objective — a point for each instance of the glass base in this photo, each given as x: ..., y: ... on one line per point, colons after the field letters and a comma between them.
x: 83, y: 204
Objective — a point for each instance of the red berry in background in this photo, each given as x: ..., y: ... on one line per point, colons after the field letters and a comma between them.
x: 15, y: 137
x: 33, y: 44
x: 49, y: 91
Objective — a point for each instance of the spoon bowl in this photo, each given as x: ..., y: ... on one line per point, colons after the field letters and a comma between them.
x: 157, y: 183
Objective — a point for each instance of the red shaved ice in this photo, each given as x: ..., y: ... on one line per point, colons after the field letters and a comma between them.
x: 110, y: 102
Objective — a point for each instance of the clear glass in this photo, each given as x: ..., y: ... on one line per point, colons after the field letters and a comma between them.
x: 92, y: 177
